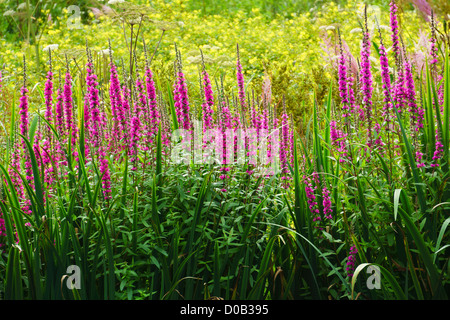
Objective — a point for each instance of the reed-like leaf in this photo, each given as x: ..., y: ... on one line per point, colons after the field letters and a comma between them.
x: 425, y: 255
x: 412, y: 162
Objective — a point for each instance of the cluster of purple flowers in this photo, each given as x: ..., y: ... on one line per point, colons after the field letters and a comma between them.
x: 285, y: 147
x: 366, y: 83
x: 338, y: 139
x: 311, y: 198
x: 351, y: 261
x: 326, y: 202
x: 439, y: 150
x: 398, y: 89
x: 386, y: 85
x: 240, y: 81
x: 311, y: 186
x: 182, y: 100
x: 343, y: 87
x: 207, y: 106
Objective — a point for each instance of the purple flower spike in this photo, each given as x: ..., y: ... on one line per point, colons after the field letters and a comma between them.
x: 240, y: 81
x: 366, y: 83
x: 342, y: 82
x: 351, y: 261
x: 394, y: 29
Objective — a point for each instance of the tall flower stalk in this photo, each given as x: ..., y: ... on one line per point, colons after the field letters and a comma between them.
x: 152, y: 101
x: 181, y: 98
x: 351, y: 261
x: 47, y: 147
x: 97, y: 147
x: 240, y: 81
x: 24, y: 122
x: 342, y: 82
x: 24, y: 127
x: 119, y: 123
x: 366, y: 81
x: 71, y: 125
x: 285, y: 148
x: 207, y: 106
x: 394, y: 30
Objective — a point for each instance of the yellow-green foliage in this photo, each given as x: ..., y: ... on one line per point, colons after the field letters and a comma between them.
x: 289, y: 50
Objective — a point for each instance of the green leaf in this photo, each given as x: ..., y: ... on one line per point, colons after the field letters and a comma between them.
x: 424, y: 254
x: 396, y: 201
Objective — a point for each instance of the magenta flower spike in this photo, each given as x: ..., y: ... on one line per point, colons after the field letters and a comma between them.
x: 292, y: 143
x: 135, y: 136
x: 207, y: 106
x: 47, y: 153
x: 284, y: 148
x: 181, y: 98
x: 48, y: 94
x: 155, y: 116
x: 117, y: 109
x: 117, y: 113
x: 399, y: 95
x: 104, y: 170
x: 59, y: 121
x: 176, y: 97
x: 24, y: 123
x: 395, y: 30
x: 438, y: 152
x: 23, y: 111
x: 433, y: 47
x: 398, y: 91
x: 152, y: 103
x: 434, y: 62
x: 338, y: 139
x: 311, y: 198
x: 225, y: 126
x: 59, y: 110
x: 416, y: 112
x: 366, y: 82
x: 71, y: 125
x: 378, y: 142
x: 68, y: 107
x: 326, y: 202
x: 184, y: 101
x: 126, y: 106
x: 350, y: 90
x: 141, y: 109
x: 2, y: 227
x: 95, y: 125
x: 236, y: 126
x: 87, y: 123
x: 419, y: 159
x: 342, y: 82
x: 240, y: 81
x: 386, y: 85
x: 23, y: 106
x: 351, y: 261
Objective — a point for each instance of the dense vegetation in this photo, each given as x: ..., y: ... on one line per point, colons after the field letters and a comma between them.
x: 170, y: 152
